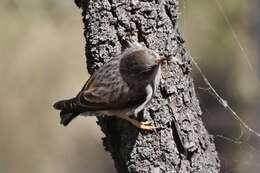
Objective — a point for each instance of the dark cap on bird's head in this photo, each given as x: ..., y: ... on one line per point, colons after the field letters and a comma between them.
x: 140, y: 64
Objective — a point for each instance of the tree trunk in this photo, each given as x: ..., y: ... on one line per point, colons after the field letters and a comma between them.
x: 181, y: 143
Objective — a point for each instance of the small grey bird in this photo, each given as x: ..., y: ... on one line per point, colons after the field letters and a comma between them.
x: 121, y: 88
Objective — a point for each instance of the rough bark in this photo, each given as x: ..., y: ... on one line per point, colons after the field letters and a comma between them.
x: 181, y: 143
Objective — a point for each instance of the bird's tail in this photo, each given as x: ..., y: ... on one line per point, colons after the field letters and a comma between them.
x: 67, y: 110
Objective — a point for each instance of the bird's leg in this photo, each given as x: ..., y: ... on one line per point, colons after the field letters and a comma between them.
x: 146, y: 125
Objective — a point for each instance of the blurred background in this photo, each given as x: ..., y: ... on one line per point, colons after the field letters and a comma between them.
x: 42, y: 60
x: 224, y: 39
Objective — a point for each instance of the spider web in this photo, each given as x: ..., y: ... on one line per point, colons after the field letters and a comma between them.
x: 245, y: 130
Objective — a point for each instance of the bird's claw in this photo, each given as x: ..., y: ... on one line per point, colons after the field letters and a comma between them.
x: 145, y: 125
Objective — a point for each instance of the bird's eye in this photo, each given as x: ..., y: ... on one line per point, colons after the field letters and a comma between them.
x: 151, y: 67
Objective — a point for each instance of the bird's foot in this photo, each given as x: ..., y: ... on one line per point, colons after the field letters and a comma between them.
x: 145, y: 125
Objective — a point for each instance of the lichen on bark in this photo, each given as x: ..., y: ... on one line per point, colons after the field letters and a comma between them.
x: 181, y: 143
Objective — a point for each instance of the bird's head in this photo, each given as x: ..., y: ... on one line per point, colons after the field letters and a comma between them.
x: 140, y: 65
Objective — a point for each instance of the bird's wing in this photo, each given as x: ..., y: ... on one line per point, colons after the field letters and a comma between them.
x: 104, y: 90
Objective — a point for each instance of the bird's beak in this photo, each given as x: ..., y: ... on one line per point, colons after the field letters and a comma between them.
x: 160, y: 59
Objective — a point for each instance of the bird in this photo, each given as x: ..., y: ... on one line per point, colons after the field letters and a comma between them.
x: 121, y: 88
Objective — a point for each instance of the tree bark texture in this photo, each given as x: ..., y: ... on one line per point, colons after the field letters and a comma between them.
x: 181, y: 143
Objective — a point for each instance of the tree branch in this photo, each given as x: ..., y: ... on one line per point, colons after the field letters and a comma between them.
x: 181, y: 143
